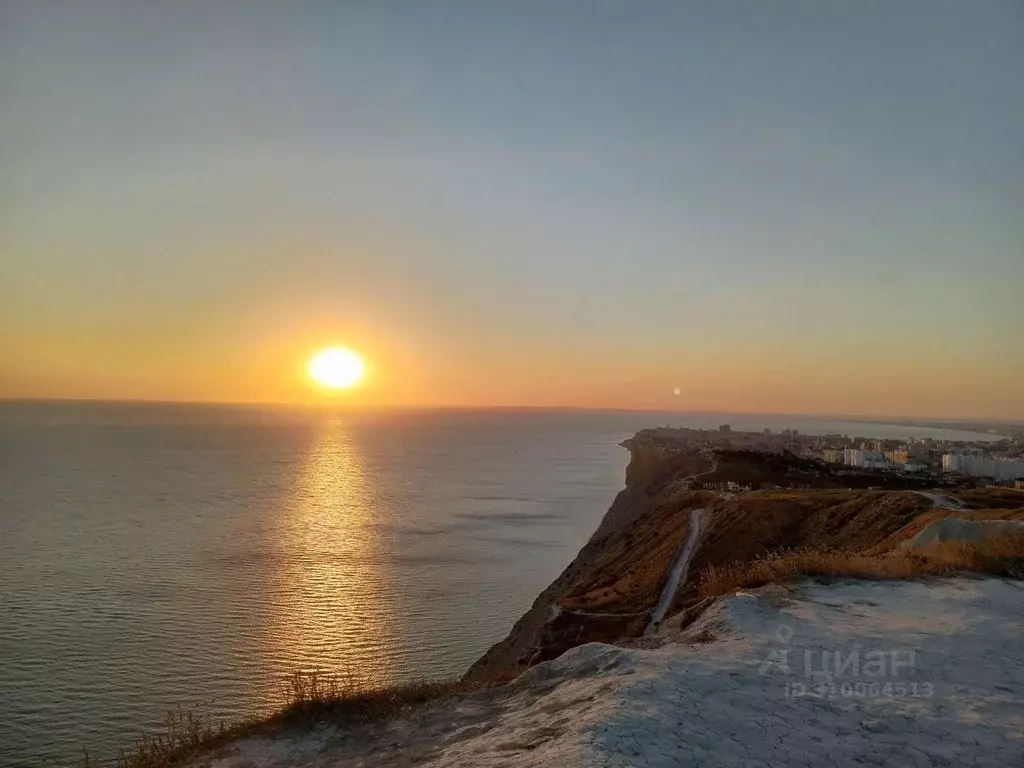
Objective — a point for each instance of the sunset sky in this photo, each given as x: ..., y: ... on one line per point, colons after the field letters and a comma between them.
x: 790, y: 207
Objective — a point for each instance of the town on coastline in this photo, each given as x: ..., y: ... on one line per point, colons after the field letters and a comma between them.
x: 981, y: 463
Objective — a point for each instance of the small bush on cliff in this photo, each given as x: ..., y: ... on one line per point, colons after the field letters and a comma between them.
x: 312, y: 697
x: 185, y: 733
x: 1003, y: 556
x: 316, y: 696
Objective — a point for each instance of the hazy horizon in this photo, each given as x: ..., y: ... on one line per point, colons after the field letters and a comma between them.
x: 341, y: 406
x: 789, y: 208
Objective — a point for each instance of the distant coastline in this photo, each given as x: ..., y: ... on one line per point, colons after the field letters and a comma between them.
x: 1001, y: 428
x: 143, y: 412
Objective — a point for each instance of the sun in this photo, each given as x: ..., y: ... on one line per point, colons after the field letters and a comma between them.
x: 336, y: 368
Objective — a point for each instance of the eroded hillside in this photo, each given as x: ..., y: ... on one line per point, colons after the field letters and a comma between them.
x: 608, y: 592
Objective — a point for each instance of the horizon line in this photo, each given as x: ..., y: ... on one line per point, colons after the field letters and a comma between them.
x: 870, y: 418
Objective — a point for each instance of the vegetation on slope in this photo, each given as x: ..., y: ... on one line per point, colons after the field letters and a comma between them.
x: 312, y: 698
x: 654, y: 479
x: 755, y: 524
x: 1002, y: 556
x: 628, y: 575
x: 748, y: 537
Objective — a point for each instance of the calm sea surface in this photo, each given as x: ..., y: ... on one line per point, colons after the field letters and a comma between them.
x: 154, y: 556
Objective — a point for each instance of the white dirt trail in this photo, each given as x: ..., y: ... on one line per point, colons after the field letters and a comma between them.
x: 677, y: 574
x: 943, y: 502
x: 681, y: 561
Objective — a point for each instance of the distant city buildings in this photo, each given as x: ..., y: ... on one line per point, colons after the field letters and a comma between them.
x: 999, y: 461
x: 995, y: 467
x: 954, y: 462
x: 855, y: 457
x: 898, y: 456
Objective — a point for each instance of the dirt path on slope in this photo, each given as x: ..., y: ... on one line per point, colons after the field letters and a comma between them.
x: 943, y: 502
x: 677, y: 574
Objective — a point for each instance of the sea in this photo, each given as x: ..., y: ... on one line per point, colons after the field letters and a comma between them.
x: 156, y: 556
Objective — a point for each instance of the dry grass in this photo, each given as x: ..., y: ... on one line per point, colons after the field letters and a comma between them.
x: 630, y: 571
x: 312, y: 697
x: 1003, y: 556
x: 185, y: 733
x: 316, y: 697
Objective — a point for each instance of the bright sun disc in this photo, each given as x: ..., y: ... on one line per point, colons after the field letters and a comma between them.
x: 336, y: 367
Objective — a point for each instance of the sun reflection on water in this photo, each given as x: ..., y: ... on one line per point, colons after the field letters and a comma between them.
x: 332, y: 609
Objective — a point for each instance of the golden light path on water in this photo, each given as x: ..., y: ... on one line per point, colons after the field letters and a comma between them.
x: 332, y: 609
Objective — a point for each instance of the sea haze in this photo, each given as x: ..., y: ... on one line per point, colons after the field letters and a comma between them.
x: 161, y: 555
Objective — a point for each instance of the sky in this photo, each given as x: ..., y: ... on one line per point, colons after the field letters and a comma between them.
x: 776, y: 207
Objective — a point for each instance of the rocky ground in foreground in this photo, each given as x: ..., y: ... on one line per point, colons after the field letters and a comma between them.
x: 927, y: 674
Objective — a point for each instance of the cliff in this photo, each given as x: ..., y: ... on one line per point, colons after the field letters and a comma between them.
x: 607, y: 593
x: 551, y: 626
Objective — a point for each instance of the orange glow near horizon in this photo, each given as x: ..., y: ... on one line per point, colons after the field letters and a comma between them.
x: 423, y: 359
